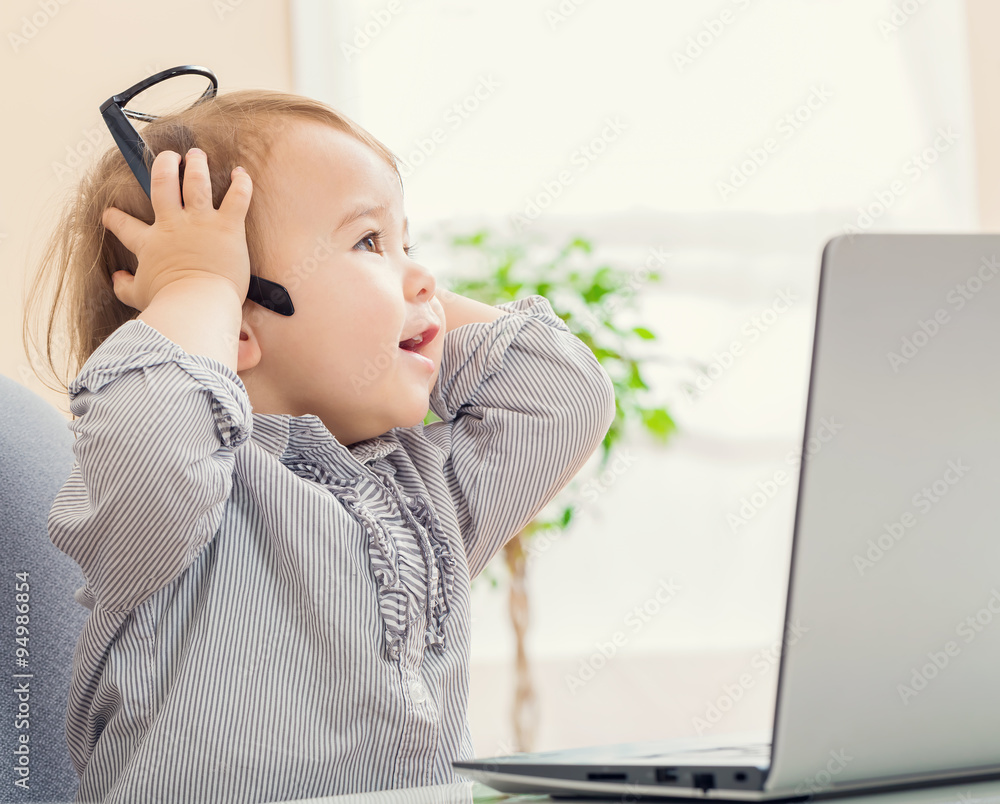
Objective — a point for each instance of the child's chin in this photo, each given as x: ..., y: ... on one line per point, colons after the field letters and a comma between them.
x: 416, y: 416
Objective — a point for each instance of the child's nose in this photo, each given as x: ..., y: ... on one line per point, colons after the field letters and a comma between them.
x: 421, y: 282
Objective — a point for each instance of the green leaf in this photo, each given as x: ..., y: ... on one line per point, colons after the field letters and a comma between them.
x: 603, y: 354
x: 644, y: 333
x: 635, y: 378
x: 595, y: 293
x: 471, y: 240
x: 604, y: 273
x: 658, y: 422
x: 614, y: 434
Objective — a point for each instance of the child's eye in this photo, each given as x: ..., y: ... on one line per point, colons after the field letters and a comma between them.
x: 373, y: 240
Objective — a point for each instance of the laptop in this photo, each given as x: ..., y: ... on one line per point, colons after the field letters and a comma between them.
x: 889, y: 674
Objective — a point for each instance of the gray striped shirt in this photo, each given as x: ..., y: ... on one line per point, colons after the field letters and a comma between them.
x: 274, y: 615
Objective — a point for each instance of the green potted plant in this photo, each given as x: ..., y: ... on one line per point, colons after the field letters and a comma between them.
x: 590, y: 297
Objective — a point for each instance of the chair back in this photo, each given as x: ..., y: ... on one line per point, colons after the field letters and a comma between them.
x: 36, y: 456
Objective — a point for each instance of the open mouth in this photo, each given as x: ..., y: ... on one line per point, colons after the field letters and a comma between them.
x: 419, y: 342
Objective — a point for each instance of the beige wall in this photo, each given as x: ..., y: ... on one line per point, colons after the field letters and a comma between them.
x: 983, y: 25
x: 53, y: 79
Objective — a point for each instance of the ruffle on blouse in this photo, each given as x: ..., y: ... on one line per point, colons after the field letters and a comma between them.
x: 384, y: 559
x: 438, y: 558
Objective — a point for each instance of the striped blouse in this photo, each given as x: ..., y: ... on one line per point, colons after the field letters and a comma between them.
x: 275, y: 615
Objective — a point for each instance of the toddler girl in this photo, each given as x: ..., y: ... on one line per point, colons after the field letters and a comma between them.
x: 277, y: 551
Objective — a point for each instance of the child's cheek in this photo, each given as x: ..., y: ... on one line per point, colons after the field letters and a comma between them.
x: 438, y: 309
x: 434, y: 376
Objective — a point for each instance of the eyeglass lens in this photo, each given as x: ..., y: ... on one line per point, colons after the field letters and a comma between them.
x: 168, y: 96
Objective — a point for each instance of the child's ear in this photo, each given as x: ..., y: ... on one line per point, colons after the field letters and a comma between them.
x: 249, y: 354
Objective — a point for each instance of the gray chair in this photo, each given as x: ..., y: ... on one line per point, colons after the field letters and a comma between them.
x: 36, y: 456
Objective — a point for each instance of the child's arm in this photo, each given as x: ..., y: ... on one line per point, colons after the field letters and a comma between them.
x: 157, y: 424
x: 459, y: 310
x: 524, y: 403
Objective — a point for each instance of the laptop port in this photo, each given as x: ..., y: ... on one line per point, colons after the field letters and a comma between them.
x: 741, y: 777
x: 666, y: 775
x: 607, y: 777
x: 705, y: 781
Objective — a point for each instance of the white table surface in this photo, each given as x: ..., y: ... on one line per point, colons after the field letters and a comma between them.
x: 470, y: 792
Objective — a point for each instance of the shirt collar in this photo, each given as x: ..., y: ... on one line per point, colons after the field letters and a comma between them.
x: 293, y: 437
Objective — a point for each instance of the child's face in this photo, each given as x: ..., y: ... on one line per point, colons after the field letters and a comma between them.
x: 356, y: 293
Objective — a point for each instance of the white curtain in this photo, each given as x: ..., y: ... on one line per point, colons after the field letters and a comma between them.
x: 736, y: 137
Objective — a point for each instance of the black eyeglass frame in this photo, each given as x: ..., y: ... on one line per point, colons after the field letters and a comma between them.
x: 264, y: 292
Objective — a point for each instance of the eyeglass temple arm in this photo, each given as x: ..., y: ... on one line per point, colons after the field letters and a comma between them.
x: 129, y: 143
x: 264, y: 292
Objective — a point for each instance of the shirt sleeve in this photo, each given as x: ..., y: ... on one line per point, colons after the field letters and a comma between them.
x: 524, y: 403
x: 156, y: 431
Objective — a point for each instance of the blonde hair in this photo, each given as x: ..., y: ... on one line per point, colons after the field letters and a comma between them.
x: 73, y: 284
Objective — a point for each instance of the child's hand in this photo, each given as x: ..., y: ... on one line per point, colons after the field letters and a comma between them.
x: 194, y: 242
